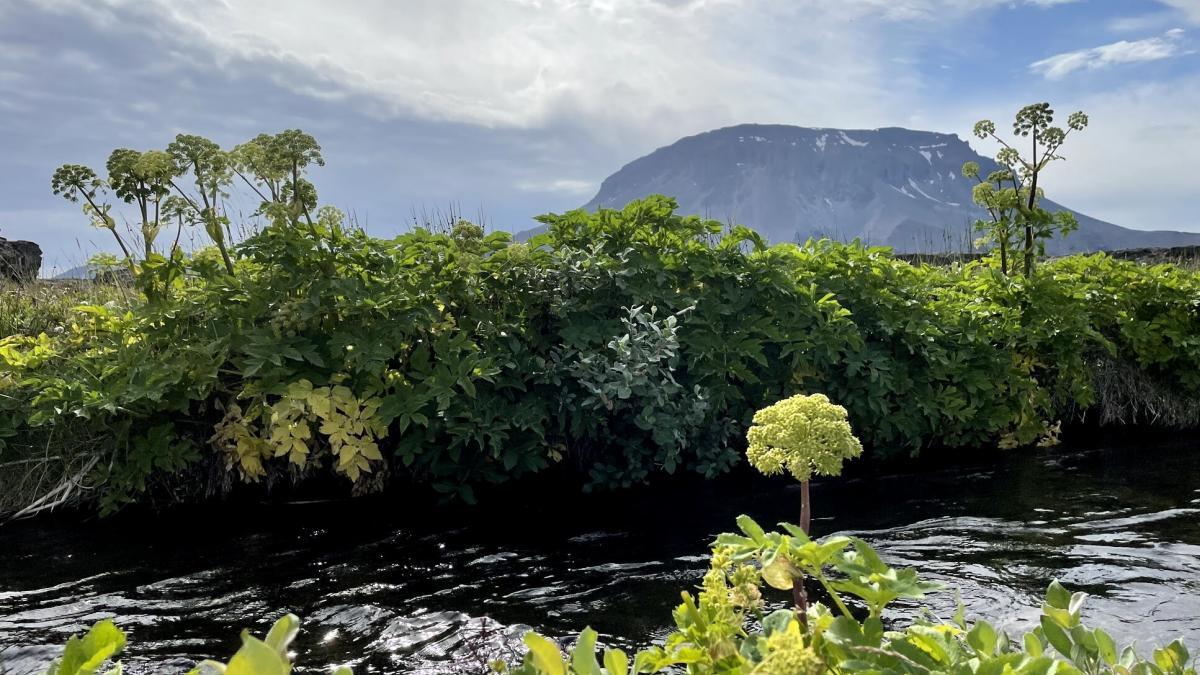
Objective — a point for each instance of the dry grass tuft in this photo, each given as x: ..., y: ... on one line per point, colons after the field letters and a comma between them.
x: 1129, y: 396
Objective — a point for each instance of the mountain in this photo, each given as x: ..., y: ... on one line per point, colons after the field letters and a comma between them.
x: 892, y: 186
x: 77, y: 272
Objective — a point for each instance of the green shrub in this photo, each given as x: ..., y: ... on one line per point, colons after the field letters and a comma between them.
x: 619, y: 344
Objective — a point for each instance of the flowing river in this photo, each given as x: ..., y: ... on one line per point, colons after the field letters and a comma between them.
x: 390, y: 587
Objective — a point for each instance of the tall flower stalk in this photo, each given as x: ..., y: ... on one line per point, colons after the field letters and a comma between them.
x: 804, y: 435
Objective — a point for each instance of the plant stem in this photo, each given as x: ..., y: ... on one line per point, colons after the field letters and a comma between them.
x: 1032, y: 202
x: 837, y: 599
x: 805, y: 509
x: 799, y: 595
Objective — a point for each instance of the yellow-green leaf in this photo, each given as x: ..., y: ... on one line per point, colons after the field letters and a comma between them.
x: 257, y: 658
x: 546, y: 656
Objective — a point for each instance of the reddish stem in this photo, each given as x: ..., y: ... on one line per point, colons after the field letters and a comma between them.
x: 799, y: 595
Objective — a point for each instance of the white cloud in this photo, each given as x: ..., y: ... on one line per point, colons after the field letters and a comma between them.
x: 1172, y: 13
x: 1135, y: 163
x: 553, y: 77
x: 569, y: 186
x: 1151, y: 49
x: 1143, y: 23
x: 650, y: 67
x: 1190, y: 8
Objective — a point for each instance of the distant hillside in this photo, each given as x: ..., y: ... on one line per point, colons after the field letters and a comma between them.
x: 78, y: 272
x: 891, y: 186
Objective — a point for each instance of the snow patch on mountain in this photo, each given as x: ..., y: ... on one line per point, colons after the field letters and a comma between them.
x: 851, y: 141
x: 791, y: 183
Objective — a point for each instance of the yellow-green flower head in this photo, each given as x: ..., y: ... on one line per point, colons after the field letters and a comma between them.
x: 788, y: 655
x: 803, y: 435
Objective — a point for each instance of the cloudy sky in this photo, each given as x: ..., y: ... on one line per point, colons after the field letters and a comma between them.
x: 510, y: 108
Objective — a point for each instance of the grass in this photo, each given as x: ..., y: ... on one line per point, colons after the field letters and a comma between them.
x: 47, y: 469
x: 46, y: 306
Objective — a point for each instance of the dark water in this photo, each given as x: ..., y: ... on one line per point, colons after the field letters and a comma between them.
x: 392, y: 588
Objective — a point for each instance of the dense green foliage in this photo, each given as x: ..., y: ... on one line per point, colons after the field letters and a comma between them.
x: 618, y: 344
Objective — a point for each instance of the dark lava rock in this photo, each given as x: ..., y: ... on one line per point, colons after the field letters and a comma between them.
x: 20, y: 261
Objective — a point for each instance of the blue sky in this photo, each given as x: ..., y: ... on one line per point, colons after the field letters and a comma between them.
x: 510, y: 108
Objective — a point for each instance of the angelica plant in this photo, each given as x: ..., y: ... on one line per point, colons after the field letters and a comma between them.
x: 804, y: 435
x: 1011, y: 194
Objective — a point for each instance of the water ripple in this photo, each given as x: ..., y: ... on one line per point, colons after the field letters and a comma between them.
x: 446, y: 593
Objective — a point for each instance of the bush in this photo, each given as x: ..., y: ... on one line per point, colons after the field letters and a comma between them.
x: 617, y: 345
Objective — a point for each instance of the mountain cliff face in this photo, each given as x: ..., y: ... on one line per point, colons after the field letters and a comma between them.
x: 894, y: 187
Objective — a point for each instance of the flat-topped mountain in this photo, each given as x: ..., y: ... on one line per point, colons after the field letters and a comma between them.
x: 892, y: 186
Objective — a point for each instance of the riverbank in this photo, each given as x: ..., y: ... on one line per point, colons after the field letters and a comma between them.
x: 619, y: 346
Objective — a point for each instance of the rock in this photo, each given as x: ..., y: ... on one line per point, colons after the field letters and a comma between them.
x: 20, y: 261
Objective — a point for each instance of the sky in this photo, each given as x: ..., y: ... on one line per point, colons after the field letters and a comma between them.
x: 505, y: 109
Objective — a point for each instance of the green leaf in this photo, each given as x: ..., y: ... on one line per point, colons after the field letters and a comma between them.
x: 283, y: 632
x: 1057, y: 596
x: 1180, y: 651
x: 1085, y: 639
x: 1056, y: 636
x: 780, y: 573
x: 1033, y: 645
x: 1106, y: 647
x: 752, y: 529
x: 616, y: 662
x: 777, y: 621
x: 83, y: 656
x: 1076, y: 603
x: 1062, y: 617
x: 546, y: 657
x: 960, y: 611
x: 873, y: 631
x: 846, y: 631
x: 983, y: 638
x: 257, y: 658
x: 1172, y: 658
x: 583, y: 656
